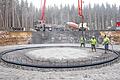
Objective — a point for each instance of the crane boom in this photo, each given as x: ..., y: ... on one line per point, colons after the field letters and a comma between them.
x: 42, y: 18
x: 80, y: 7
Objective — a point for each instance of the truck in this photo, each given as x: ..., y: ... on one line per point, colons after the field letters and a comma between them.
x: 74, y: 26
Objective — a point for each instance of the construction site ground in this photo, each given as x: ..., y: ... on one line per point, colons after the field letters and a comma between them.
x: 110, y: 72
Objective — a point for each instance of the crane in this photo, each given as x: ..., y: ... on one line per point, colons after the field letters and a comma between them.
x: 40, y: 24
x: 80, y: 12
x: 42, y: 17
x: 43, y: 6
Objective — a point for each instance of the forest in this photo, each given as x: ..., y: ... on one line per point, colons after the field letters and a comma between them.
x: 20, y: 14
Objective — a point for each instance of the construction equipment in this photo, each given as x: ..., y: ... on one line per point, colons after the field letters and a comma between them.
x: 40, y: 24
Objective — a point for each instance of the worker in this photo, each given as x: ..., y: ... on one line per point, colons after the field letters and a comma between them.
x: 93, y: 43
x: 106, y: 42
x: 82, y: 41
x: 43, y: 26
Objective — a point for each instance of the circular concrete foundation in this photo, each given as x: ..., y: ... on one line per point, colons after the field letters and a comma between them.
x: 57, y: 56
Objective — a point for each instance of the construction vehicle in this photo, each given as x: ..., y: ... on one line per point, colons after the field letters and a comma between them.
x: 74, y: 26
x: 40, y: 24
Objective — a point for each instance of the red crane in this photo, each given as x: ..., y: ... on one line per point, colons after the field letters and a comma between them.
x: 80, y: 7
x: 43, y: 6
x: 80, y: 12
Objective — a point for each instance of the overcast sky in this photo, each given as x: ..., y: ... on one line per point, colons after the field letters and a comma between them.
x: 86, y: 2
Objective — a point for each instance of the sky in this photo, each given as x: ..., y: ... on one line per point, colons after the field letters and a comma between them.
x: 70, y: 2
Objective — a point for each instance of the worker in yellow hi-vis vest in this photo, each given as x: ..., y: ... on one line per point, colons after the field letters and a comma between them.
x: 82, y: 41
x: 106, y: 42
x: 93, y: 43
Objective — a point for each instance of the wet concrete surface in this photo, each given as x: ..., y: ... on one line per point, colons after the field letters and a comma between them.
x: 60, y: 53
